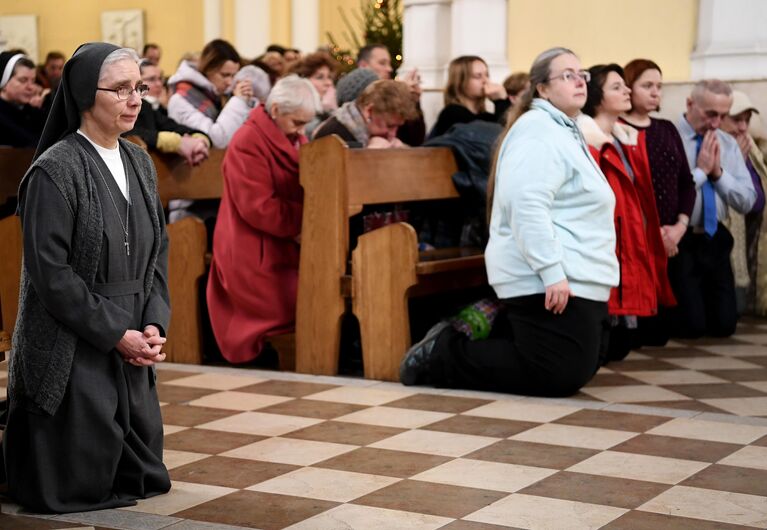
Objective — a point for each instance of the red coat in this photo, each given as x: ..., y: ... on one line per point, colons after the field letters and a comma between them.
x: 642, y: 257
x: 254, y: 273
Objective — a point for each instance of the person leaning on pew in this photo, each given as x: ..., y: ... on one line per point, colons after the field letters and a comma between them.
x: 550, y: 258
x: 373, y: 118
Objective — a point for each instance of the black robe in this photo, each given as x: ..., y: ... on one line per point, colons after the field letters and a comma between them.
x: 20, y: 126
x: 103, y: 446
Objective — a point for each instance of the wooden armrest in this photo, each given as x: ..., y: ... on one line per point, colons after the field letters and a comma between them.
x: 449, y: 259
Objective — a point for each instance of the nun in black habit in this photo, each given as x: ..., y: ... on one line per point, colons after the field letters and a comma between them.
x: 84, y: 430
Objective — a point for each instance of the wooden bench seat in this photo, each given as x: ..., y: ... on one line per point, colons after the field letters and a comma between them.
x: 385, y: 268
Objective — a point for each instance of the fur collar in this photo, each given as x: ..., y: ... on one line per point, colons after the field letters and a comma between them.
x: 595, y: 137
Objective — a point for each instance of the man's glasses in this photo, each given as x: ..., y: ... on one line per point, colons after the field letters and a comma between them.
x: 124, y: 92
x: 570, y: 76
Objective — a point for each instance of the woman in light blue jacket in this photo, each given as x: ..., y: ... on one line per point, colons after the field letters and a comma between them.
x: 550, y: 258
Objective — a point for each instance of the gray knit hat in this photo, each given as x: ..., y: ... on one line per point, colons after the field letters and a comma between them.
x: 352, y: 84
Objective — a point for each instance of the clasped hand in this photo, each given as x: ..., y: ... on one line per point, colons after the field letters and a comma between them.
x: 142, y: 349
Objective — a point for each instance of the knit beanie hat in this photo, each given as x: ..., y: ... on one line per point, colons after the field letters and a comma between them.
x: 352, y: 84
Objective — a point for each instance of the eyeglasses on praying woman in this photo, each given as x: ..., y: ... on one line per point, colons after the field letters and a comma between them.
x: 570, y: 76
x: 124, y: 92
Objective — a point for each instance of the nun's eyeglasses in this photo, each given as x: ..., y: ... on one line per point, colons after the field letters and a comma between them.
x: 124, y: 92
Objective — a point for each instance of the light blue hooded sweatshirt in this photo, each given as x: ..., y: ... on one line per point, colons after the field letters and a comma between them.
x: 552, y: 212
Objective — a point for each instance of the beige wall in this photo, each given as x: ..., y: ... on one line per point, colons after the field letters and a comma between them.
x: 601, y: 31
x: 65, y: 24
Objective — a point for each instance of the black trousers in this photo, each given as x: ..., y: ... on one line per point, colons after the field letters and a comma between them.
x: 530, y: 351
x: 704, y: 286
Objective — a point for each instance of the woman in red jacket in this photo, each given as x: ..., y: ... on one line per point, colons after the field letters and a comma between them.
x: 621, y: 153
x: 254, y: 273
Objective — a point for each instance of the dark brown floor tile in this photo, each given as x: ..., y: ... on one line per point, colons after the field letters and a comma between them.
x: 438, y: 403
x: 229, y: 472
x: 675, y: 353
x: 19, y: 522
x: 686, y: 404
x: 431, y: 499
x: 681, y: 448
x: 747, y: 374
x: 641, y: 365
x: 730, y: 478
x: 286, y: 388
x: 191, y: 416
x: 494, y: 427
x: 208, y: 442
x: 634, y: 520
x: 711, y: 341
x: 399, y: 464
x: 253, y: 509
x: 596, y: 489
x: 620, y: 421
x: 181, y: 394
x: 761, y: 360
x: 312, y: 409
x: 715, y: 390
x: 762, y: 442
x: 612, y: 380
x: 532, y: 454
x: 344, y: 433
x: 470, y: 525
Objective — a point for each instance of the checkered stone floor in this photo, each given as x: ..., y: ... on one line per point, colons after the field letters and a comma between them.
x: 670, y: 438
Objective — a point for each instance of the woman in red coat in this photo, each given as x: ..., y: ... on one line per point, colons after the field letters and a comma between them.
x: 621, y: 153
x: 254, y: 273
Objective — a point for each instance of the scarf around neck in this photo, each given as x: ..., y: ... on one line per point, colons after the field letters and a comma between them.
x: 349, y: 116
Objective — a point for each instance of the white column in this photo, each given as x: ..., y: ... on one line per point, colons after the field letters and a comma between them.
x: 426, y: 45
x: 732, y: 41
x: 480, y: 28
x: 211, y: 13
x: 305, y: 25
x: 252, y: 30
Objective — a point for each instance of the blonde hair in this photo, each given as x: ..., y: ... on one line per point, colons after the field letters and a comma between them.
x: 458, y: 76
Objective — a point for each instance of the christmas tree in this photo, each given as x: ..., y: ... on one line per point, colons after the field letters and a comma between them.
x: 380, y: 22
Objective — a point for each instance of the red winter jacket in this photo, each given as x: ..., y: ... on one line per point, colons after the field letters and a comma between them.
x: 639, y: 245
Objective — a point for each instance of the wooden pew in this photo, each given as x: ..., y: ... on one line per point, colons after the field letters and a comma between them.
x: 10, y: 272
x: 386, y: 269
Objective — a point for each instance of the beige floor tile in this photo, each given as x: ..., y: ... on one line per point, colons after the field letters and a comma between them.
x: 754, y: 338
x: 290, y: 451
x: 636, y: 356
x: 182, y: 496
x: 574, y: 436
x: 522, y: 411
x: 325, y: 484
x: 712, y: 431
x: 756, y: 385
x: 746, y: 406
x: 539, y: 513
x: 260, y: 423
x: 752, y: 456
x: 173, y: 458
x: 738, y: 350
x: 216, y: 381
x: 394, y: 417
x: 170, y: 429
x: 633, y: 393
x: 675, y: 344
x: 639, y: 467
x: 232, y: 400
x: 675, y: 377
x: 435, y: 443
x: 360, y: 395
x: 484, y: 475
x: 350, y: 516
x: 712, y: 363
x: 721, y: 506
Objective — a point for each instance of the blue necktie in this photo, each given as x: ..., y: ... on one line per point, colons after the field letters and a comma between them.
x: 709, y: 198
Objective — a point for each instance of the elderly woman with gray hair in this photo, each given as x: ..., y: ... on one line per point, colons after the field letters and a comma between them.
x: 254, y: 273
x: 84, y: 430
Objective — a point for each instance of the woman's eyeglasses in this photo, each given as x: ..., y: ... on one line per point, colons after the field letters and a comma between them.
x: 570, y: 76
x: 124, y: 92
